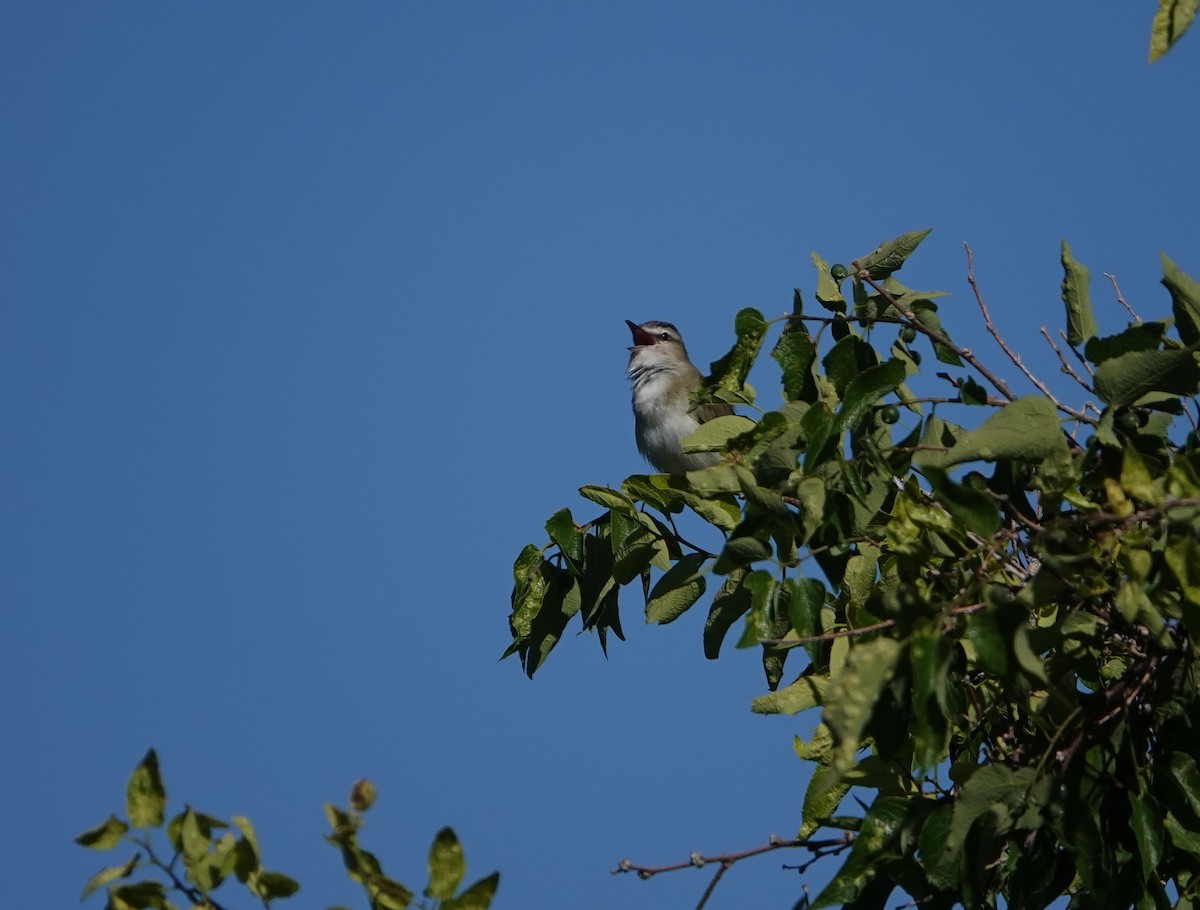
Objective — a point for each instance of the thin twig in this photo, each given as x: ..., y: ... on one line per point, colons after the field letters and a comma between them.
x: 696, y: 860
x: 1014, y: 357
x: 712, y: 885
x: 193, y: 894
x: 1078, y: 356
x: 1066, y: 367
x: 937, y: 337
x: 855, y: 633
x: 1120, y: 298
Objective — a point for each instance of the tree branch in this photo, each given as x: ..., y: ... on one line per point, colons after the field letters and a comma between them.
x: 1015, y: 358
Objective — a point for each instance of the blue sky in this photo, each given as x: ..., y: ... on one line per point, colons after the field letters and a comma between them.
x: 313, y: 313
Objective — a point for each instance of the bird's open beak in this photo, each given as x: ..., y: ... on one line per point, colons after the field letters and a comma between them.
x: 640, y: 336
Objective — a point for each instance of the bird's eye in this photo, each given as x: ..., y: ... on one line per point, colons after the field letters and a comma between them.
x: 664, y: 336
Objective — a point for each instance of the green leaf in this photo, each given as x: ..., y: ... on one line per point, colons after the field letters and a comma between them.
x: 654, y: 490
x: 634, y: 555
x: 731, y: 602
x: 806, y: 692
x: 563, y: 597
x: 820, y: 801
x: 865, y: 390
x: 677, y: 590
x: 971, y: 392
x: 712, y: 435
x: 246, y: 862
x: 608, y: 498
x: 1173, y: 18
x: 930, y: 655
x: 1182, y: 556
x: 796, y: 352
x: 829, y: 293
x: 1185, y: 299
x: 271, y: 885
x: 806, y: 599
x: 529, y: 588
x: 730, y: 371
x: 563, y: 531
x: 1147, y: 824
x: 862, y: 392
x: 112, y: 873
x: 193, y: 837
x: 145, y: 796
x: 387, y: 894
x: 1081, y: 321
x: 1141, y: 336
x: 477, y: 897
x: 992, y: 788
x: 1123, y: 380
x: 1186, y: 775
x: 847, y: 359
x: 722, y: 513
x: 1023, y: 430
x: 852, y: 697
x: 446, y: 865
x: 104, y: 836
x: 890, y: 256
x: 138, y: 896
x: 1182, y: 836
x: 880, y: 828
x: 927, y: 314
x: 975, y: 509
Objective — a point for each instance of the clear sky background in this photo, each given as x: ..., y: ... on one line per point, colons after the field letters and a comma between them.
x: 312, y: 313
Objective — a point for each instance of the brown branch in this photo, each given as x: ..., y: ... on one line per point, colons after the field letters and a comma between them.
x: 1141, y: 515
x: 193, y: 894
x: 697, y: 860
x: 855, y: 633
x: 936, y: 337
x: 1066, y: 367
x: 1075, y: 353
x: 1013, y: 356
x: 1120, y: 298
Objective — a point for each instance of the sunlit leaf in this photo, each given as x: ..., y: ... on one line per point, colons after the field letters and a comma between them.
x: 1173, y: 18
x: 804, y: 693
x: 112, y: 873
x: 1024, y: 430
x: 446, y: 865
x: 477, y: 897
x: 1081, y: 321
x: 1123, y: 380
x: 855, y: 690
x: 145, y: 796
x: 712, y: 435
x: 879, y: 828
x: 104, y: 836
x: 677, y: 590
x: 732, y: 601
x: 890, y: 256
x: 829, y: 294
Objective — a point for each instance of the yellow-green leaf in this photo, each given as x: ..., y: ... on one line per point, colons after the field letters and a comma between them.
x: 446, y: 865
x: 145, y: 796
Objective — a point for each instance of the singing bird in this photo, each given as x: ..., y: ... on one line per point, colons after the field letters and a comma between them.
x: 663, y: 380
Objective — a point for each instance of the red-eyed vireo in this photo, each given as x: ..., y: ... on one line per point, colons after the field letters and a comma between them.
x: 663, y: 381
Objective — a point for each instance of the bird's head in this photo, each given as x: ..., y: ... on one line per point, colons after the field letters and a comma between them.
x: 656, y: 344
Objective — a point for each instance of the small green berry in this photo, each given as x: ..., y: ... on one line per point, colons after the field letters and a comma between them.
x: 889, y: 414
x: 839, y: 272
x: 908, y: 334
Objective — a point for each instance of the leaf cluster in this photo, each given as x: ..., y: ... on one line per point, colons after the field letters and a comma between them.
x: 988, y: 605
x: 206, y: 852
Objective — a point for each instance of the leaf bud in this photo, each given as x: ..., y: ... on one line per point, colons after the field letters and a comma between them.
x: 362, y: 795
